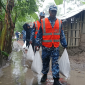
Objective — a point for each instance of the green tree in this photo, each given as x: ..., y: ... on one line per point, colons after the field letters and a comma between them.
x: 58, y: 2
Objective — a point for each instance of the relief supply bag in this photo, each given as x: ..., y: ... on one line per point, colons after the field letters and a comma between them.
x: 37, y: 63
x: 30, y: 53
x: 24, y: 46
x: 64, y: 64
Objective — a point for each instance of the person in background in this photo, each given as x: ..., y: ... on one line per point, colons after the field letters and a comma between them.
x: 24, y: 35
x: 28, y: 30
x: 51, y: 34
x: 36, y: 27
x: 17, y: 35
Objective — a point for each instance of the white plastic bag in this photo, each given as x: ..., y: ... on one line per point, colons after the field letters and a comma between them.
x: 30, y: 53
x: 64, y: 64
x: 29, y: 81
x: 24, y: 46
x: 16, y: 46
x: 37, y: 63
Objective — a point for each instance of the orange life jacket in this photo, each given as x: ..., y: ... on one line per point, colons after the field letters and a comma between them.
x: 51, y: 36
x: 37, y: 26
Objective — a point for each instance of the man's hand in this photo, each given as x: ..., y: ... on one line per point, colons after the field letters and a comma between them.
x: 64, y: 47
x: 37, y: 48
x: 30, y: 42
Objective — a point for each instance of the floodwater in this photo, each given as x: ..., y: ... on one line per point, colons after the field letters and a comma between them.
x: 18, y: 72
x: 14, y: 74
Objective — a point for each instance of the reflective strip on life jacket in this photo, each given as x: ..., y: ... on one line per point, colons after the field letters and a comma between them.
x: 36, y: 26
x: 50, y: 40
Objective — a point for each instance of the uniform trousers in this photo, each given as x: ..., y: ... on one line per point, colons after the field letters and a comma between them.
x: 47, y: 54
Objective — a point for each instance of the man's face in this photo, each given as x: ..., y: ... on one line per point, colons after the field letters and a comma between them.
x: 52, y: 13
x: 28, y: 27
x: 41, y: 17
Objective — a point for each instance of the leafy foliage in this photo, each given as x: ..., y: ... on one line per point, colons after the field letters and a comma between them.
x: 2, y: 5
x: 2, y: 15
x: 19, y: 24
x: 5, y: 53
x: 58, y: 2
x: 2, y: 10
x: 34, y: 15
x: 22, y: 8
x: 83, y: 2
x: 24, y: 11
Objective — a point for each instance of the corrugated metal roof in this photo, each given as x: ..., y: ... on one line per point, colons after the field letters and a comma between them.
x: 72, y: 13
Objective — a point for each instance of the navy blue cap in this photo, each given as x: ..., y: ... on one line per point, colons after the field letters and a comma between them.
x: 28, y: 25
x: 53, y: 7
x: 42, y: 14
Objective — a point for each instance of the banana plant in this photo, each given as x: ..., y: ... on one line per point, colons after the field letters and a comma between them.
x: 2, y: 5
x: 4, y: 53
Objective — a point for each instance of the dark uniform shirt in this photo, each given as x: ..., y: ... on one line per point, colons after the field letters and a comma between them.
x: 28, y: 32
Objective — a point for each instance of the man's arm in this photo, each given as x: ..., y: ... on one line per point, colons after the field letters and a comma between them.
x: 62, y: 38
x: 39, y: 37
x: 32, y: 33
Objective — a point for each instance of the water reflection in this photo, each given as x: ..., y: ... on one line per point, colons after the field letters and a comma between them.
x: 18, y: 71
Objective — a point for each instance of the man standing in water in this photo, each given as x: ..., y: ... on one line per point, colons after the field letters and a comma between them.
x: 51, y: 34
